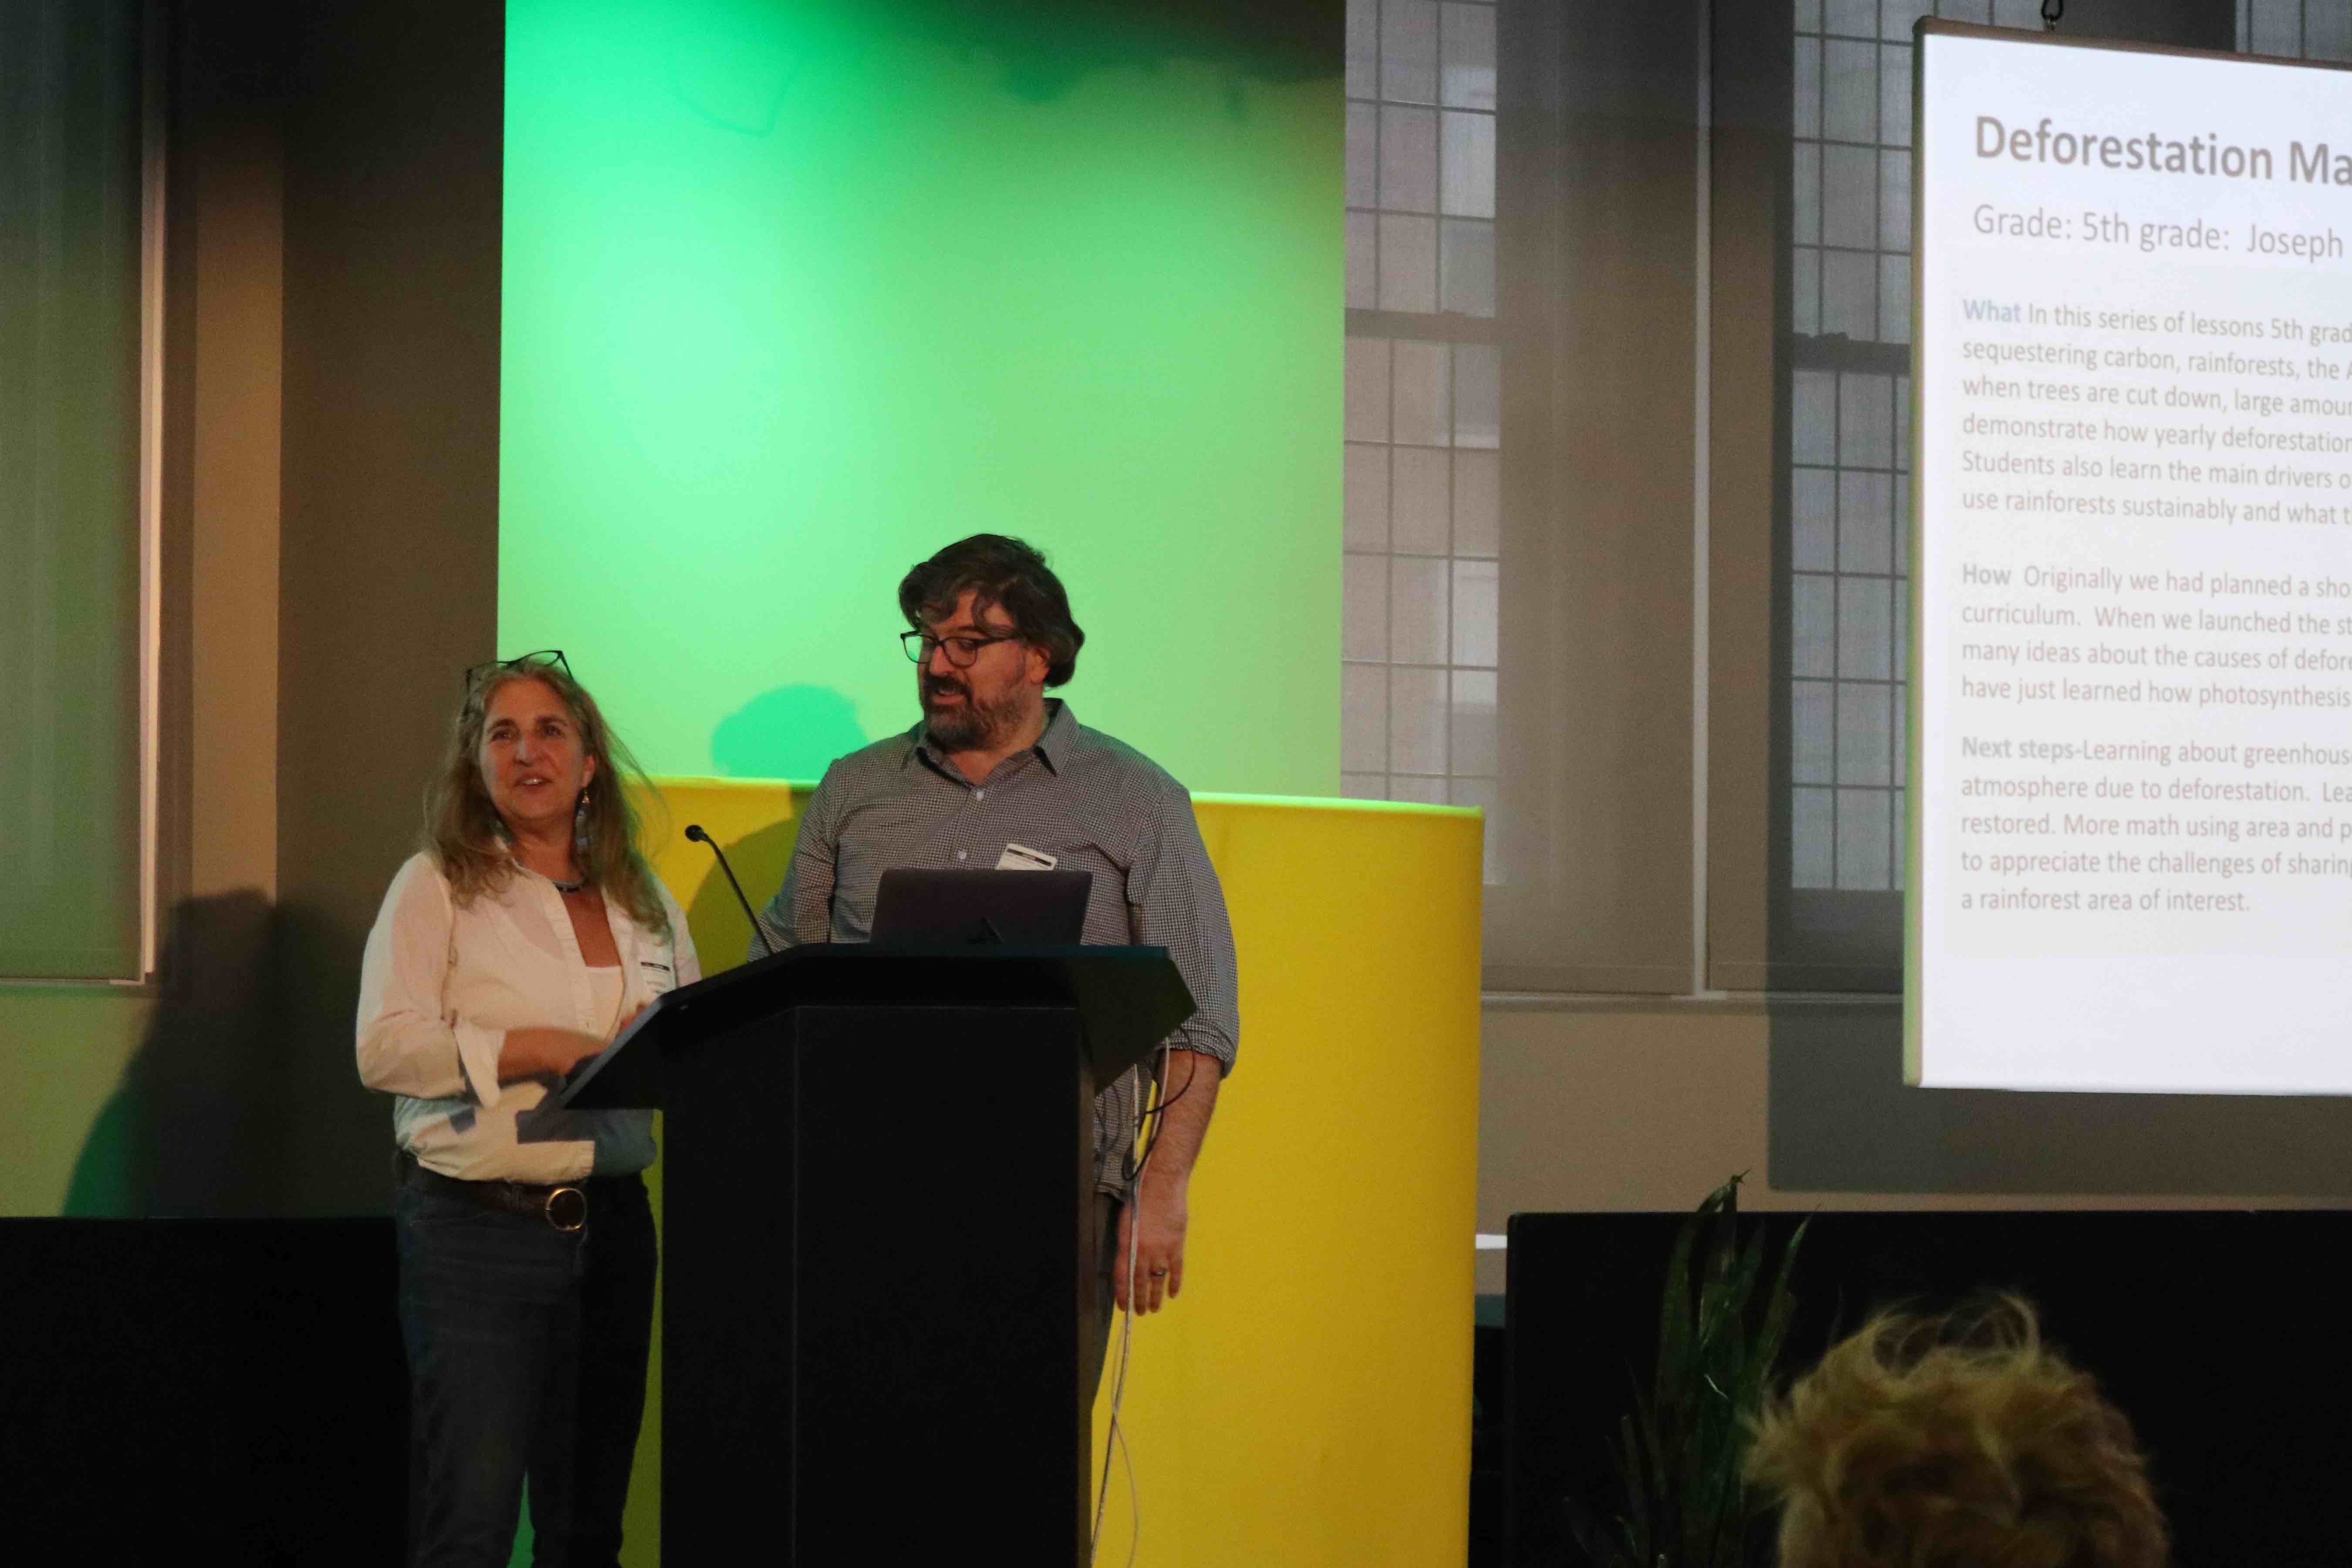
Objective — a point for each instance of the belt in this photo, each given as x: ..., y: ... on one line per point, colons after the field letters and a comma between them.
x: 563, y: 1206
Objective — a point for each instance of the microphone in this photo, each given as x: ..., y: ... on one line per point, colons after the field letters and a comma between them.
x: 694, y: 831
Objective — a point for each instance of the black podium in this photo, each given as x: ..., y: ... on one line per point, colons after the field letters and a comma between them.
x: 879, y: 1244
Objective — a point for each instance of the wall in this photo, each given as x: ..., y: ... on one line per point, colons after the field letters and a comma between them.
x: 329, y: 552
x: 1609, y: 1104
x: 796, y: 294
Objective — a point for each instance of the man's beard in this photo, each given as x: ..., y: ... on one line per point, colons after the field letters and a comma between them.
x: 973, y: 725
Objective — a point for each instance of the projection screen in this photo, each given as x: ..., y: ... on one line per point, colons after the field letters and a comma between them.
x: 2131, y: 598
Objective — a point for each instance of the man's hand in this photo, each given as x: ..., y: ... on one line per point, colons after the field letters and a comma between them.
x: 1153, y: 1225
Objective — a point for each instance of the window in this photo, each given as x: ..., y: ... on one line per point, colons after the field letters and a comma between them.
x: 1420, y: 615
x: 73, y: 643
x: 2297, y: 29
x: 1847, y: 472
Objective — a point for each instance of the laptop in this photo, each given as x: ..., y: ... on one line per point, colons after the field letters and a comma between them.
x: 955, y: 908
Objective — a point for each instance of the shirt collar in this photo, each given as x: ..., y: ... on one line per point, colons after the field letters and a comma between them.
x: 1061, y: 734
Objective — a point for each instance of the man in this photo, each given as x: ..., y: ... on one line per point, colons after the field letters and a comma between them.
x: 999, y: 773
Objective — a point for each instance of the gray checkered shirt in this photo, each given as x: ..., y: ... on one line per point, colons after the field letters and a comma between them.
x: 1096, y: 805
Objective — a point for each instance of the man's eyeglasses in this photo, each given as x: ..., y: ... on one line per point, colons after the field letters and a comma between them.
x: 963, y: 652
x: 475, y: 674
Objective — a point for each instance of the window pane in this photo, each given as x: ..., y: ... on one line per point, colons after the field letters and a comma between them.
x: 1363, y: 786
x: 1894, y: 96
x: 1363, y: 262
x: 2275, y: 27
x: 1849, y: 197
x: 1901, y: 523
x: 1849, y: 90
x: 1424, y: 405
x: 1896, y: 16
x: 1407, y: 263
x: 1408, y: 159
x: 2328, y: 32
x: 1477, y: 502
x: 1812, y: 418
x: 1809, y: 711
x: 1363, y: 48
x: 1478, y: 396
x: 1813, y: 826
x: 1808, y: 103
x: 1409, y: 50
x: 1367, y: 417
x: 1417, y: 609
x: 1364, y: 717
x: 1866, y: 734
x: 1476, y: 587
x: 1364, y: 608
x: 1423, y: 490
x: 1417, y: 720
x: 1864, y: 837
x: 1866, y: 421
x: 1895, y: 201
x: 1805, y: 292
x: 1813, y: 520
x: 1421, y: 789
x: 1865, y: 522
x: 1466, y: 261
x: 1857, y: 19
x: 1813, y: 610
x: 1866, y: 649
x: 1850, y: 294
x: 1806, y: 219
x: 1468, y: 39
x: 1895, y: 299
x: 1365, y: 508
x: 1363, y: 155
x: 1469, y: 156
x: 1473, y: 722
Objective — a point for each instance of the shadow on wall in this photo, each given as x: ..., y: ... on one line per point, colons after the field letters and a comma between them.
x: 791, y: 733
x: 225, y: 1111
x: 197, y: 1127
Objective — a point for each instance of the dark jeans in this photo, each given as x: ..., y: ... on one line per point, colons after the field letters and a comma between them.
x: 526, y: 1357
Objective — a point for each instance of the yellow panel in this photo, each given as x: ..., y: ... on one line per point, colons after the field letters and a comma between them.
x: 1308, y: 1400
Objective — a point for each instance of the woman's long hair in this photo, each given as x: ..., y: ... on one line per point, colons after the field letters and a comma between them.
x: 463, y: 832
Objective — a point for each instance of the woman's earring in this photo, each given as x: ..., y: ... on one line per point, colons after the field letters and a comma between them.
x: 579, y: 837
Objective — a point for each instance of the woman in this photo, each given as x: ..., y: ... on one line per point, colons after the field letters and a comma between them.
x: 512, y: 946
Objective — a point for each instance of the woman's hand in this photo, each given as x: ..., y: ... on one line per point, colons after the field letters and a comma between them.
x: 543, y: 1053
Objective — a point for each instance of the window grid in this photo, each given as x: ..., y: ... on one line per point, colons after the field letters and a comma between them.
x: 1849, y: 464
x: 2297, y: 29
x: 1420, y: 614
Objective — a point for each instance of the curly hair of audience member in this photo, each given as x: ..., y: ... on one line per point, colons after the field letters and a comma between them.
x: 1963, y: 1441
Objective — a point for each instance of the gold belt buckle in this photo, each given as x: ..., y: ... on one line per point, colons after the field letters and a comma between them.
x: 567, y: 1209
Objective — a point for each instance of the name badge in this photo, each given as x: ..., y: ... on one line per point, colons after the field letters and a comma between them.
x: 659, y: 978
x: 1021, y: 858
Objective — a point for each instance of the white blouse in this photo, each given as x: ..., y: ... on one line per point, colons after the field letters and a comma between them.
x: 440, y: 986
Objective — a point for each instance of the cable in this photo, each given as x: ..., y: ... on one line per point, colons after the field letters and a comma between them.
x: 1116, y: 1438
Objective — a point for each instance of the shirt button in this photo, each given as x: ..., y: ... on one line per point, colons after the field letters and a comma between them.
x: 961, y: 855
x: 980, y: 795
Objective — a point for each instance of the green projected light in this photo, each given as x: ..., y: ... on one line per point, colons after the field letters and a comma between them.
x: 796, y: 293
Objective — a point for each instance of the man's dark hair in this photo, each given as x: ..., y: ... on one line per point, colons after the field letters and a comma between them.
x: 1001, y: 574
